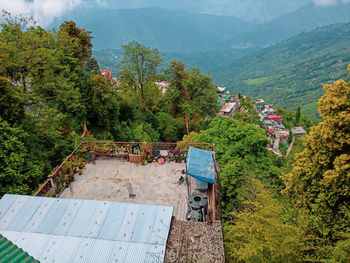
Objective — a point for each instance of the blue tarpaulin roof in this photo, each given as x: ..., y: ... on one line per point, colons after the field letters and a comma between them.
x: 200, y: 164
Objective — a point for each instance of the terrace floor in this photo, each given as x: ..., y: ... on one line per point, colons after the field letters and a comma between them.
x: 153, y: 184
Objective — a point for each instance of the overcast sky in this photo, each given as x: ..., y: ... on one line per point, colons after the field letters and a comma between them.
x: 44, y: 11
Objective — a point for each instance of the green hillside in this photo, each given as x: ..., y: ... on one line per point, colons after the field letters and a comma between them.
x: 206, y: 61
x: 291, y: 74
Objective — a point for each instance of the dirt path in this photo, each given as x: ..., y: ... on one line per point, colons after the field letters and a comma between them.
x: 290, y: 147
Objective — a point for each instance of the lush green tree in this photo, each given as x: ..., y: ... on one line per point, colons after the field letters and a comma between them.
x: 50, y: 86
x: 290, y: 118
x: 103, y: 103
x: 77, y: 41
x: 251, y: 116
x: 177, y: 92
x: 11, y: 102
x: 258, y: 234
x: 170, y: 129
x: 19, y: 172
x: 145, y: 133
x: 320, y: 180
x: 241, y: 150
x: 297, y: 116
x: 139, y: 66
x: 190, y: 92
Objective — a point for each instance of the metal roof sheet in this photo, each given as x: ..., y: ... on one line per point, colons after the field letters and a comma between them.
x: 9, y: 252
x: 72, y: 230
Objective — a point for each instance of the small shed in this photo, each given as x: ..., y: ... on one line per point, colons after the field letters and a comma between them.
x: 200, y: 165
x: 299, y: 131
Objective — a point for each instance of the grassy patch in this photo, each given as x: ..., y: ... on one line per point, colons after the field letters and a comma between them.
x: 257, y: 81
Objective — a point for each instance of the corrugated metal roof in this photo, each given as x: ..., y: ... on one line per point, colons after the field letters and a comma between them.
x: 9, y: 252
x: 72, y: 230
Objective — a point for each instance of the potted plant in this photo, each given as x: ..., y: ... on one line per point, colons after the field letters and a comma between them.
x: 136, y: 157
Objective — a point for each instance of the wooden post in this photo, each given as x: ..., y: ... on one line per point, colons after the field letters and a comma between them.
x: 52, y: 184
x: 213, y: 216
x: 188, y: 183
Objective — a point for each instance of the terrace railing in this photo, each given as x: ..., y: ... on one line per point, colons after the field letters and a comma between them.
x: 50, y: 185
x: 152, y: 145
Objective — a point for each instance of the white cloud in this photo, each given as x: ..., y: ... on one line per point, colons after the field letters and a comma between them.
x: 43, y: 11
x: 330, y: 2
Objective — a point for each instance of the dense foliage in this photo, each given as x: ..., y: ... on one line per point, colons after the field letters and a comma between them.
x: 320, y: 181
x: 241, y: 149
x: 291, y: 209
x: 47, y: 94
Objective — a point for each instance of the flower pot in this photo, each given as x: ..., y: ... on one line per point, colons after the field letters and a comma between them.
x: 133, y: 158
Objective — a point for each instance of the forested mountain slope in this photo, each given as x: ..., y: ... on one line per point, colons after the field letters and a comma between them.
x: 304, y: 19
x: 291, y: 73
x: 206, y: 61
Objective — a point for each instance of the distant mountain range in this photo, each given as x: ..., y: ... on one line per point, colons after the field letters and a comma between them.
x: 256, y: 11
x: 167, y: 30
x: 292, y: 73
x: 305, y: 19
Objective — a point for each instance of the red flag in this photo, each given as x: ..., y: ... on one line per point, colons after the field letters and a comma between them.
x: 85, y: 130
x: 187, y: 124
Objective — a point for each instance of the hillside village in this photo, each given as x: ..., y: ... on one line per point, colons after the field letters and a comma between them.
x: 276, y: 132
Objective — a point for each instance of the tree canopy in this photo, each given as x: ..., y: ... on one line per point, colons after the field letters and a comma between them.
x: 320, y: 181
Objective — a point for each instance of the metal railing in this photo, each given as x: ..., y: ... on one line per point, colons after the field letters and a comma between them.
x: 49, y: 187
x: 152, y: 145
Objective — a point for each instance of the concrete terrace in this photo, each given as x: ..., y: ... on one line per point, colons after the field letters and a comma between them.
x: 153, y: 184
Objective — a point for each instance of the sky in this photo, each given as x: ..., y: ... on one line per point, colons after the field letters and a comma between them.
x: 45, y: 11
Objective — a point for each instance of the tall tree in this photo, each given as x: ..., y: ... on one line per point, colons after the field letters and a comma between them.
x: 297, y: 116
x: 177, y: 92
x: 139, y: 65
x: 320, y: 181
x: 77, y: 41
x: 258, y: 233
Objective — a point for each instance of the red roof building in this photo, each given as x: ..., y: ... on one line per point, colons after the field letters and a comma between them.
x: 106, y: 73
x: 274, y: 117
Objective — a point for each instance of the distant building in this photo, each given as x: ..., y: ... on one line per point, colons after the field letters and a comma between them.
x: 274, y: 117
x: 162, y: 85
x: 259, y: 102
x: 267, y: 122
x: 221, y: 89
x: 115, y: 82
x: 228, y: 109
x: 108, y: 74
x: 299, y: 131
x: 279, y: 127
x: 284, y: 135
